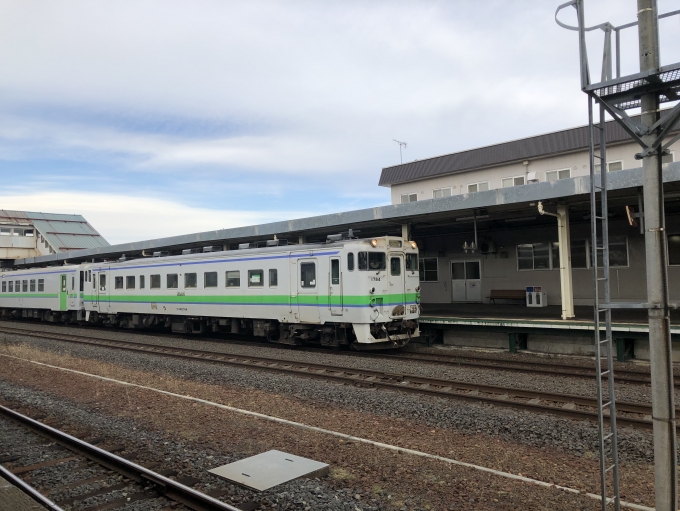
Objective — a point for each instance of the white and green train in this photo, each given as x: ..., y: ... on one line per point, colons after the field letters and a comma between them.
x: 360, y: 292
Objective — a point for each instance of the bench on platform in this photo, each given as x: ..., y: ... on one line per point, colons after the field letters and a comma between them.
x: 507, y: 294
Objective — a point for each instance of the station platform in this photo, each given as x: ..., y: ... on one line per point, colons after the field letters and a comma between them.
x: 13, y: 499
x: 539, y: 329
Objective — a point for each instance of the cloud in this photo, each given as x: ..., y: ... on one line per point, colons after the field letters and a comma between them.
x: 122, y: 219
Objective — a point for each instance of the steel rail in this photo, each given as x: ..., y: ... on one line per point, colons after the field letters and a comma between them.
x: 28, y: 490
x: 377, y: 379
x: 164, y: 485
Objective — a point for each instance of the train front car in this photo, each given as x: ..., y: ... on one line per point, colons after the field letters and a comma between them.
x: 383, y: 291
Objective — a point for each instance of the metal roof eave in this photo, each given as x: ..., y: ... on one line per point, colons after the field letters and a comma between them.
x: 561, y: 189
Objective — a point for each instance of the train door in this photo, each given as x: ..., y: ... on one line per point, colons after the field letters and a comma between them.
x: 466, y: 283
x: 102, y: 293
x: 63, y: 292
x: 307, y: 290
x: 395, y: 277
x: 72, y: 292
x: 335, y: 288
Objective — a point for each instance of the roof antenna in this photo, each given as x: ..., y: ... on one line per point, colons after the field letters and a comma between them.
x: 401, y: 144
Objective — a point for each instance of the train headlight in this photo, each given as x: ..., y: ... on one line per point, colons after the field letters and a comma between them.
x: 374, y: 243
x: 414, y: 245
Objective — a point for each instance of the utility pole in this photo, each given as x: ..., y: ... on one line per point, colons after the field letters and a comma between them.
x: 663, y: 402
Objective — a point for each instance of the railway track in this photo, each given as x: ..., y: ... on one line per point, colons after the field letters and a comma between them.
x: 636, y: 415
x: 119, y: 481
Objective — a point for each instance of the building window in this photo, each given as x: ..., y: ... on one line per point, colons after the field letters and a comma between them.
x: 307, y: 275
x: 441, y: 192
x: 255, y: 278
x: 32, y: 286
x: 130, y: 282
x: 537, y: 256
x: 667, y: 158
x: 612, y: 166
x: 350, y: 261
x: 29, y: 232
x: 409, y: 197
x: 141, y: 282
x: 233, y: 278
x: 5, y: 231
x: 618, y: 252
x: 512, y: 181
x: 118, y: 283
x: 273, y: 278
x: 210, y: 279
x: 554, y: 175
x: 190, y: 280
x: 580, y: 254
x: 478, y: 187
x: 155, y: 282
x: 41, y: 285
x: 172, y: 281
x: 428, y: 269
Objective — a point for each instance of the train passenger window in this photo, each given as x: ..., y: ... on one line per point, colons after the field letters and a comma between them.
x: 41, y: 284
x: 141, y: 282
x: 130, y: 282
x: 155, y: 282
x: 73, y: 283
x: 255, y: 278
x: 335, y: 272
x: 395, y: 266
x: 412, y: 262
x: 32, y: 286
x: 118, y: 282
x: 17, y: 286
x: 210, y: 279
x: 11, y: 286
x: 24, y: 286
x: 63, y: 283
x: 234, y: 278
x: 4, y: 286
x: 308, y: 274
x: 363, y: 260
x: 102, y: 282
x: 273, y: 278
x: 172, y: 281
x: 83, y: 276
x: 350, y: 261
x: 190, y: 280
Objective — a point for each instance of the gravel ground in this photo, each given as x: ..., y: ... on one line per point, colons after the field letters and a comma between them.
x: 510, y: 379
x: 151, y: 446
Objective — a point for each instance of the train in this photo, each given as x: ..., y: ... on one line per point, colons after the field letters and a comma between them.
x: 359, y: 293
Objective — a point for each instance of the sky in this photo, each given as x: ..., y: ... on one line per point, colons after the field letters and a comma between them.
x: 157, y: 118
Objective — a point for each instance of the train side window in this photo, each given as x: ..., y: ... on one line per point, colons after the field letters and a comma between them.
x: 255, y: 278
x: 273, y: 278
x: 118, y: 282
x: 102, y: 282
x: 4, y: 286
x: 130, y: 282
x: 412, y: 262
x: 83, y: 275
x: 363, y: 260
x: 73, y: 282
x: 41, y: 284
x: 210, y: 279
x: 350, y: 261
x: 10, y: 286
x: 307, y: 275
x: 395, y: 266
x: 172, y: 281
x: 63, y: 283
x: 24, y: 286
x: 141, y: 282
x: 155, y: 282
x: 190, y: 280
x: 233, y: 278
x: 17, y: 286
x: 32, y: 286
x: 335, y: 272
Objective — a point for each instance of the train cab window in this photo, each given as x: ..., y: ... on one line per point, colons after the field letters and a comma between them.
x: 190, y: 280
x: 83, y: 276
x: 141, y: 282
x: 335, y: 272
x: 412, y: 262
x: 10, y: 288
x: 41, y: 285
x: 255, y: 278
x: 363, y: 260
x: 373, y: 261
x: 395, y: 266
x: 130, y: 282
x: 233, y: 278
x: 273, y: 278
x: 24, y: 286
x: 102, y: 282
x: 118, y: 282
x: 172, y: 281
x: 155, y: 282
x: 4, y: 286
x: 210, y: 279
x: 32, y: 286
x: 350, y: 261
x: 307, y: 275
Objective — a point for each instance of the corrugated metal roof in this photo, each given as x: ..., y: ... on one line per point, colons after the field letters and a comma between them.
x: 62, y: 232
x: 549, y: 144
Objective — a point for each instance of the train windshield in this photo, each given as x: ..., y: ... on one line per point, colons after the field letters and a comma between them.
x: 373, y: 261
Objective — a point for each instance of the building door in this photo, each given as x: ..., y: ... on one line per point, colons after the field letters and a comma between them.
x: 466, y: 281
x: 335, y: 287
x: 395, y: 277
x: 63, y: 292
x: 308, y: 289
